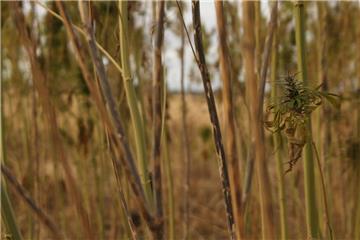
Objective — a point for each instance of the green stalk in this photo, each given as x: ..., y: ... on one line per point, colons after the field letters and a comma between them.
x: 277, y: 143
x: 310, y: 194
x: 132, y: 100
x: 169, y: 176
x: 167, y: 163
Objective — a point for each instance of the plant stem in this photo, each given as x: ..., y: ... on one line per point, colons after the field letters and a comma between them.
x: 310, y: 194
x: 256, y: 94
x: 185, y: 137
x: 168, y: 169
x: 213, y: 117
x: 257, y: 38
x: 157, y: 114
x: 230, y: 143
x: 137, y: 121
x: 277, y: 143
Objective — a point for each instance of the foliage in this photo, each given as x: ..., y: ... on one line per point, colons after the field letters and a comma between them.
x: 293, y: 109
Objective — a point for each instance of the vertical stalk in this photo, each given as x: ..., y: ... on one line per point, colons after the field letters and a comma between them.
x: 169, y: 176
x: 256, y: 93
x: 200, y: 58
x: 185, y: 140
x: 310, y: 194
x: 168, y: 168
x: 257, y: 38
x: 230, y: 139
x: 356, y: 224
x: 157, y: 116
x: 322, y: 117
x: 277, y: 143
x: 136, y: 119
x: 248, y: 47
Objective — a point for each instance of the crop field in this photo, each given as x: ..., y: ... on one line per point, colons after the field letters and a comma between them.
x: 180, y: 120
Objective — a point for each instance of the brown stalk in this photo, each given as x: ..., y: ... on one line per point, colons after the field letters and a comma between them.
x: 266, y: 58
x: 114, y: 124
x: 256, y: 94
x: 213, y: 116
x: 157, y: 113
x: 39, y: 80
x: 230, y: 142
x: 185, y: 139
x: 263, y: 174
x: 43, y: 217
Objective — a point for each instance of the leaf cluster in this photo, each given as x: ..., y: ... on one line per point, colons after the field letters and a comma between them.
x: 295, y: 104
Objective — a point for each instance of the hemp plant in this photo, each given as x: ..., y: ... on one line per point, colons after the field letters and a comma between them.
x: 290, y: 112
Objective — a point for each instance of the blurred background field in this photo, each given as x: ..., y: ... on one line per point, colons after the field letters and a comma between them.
x: 31, y: 154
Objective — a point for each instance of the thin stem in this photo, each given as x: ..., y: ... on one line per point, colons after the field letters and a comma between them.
x: 310, y: 194
x: 277, y: 143
x: 185, y: 136
x: 187, y: 32
x: 213, y: 117
x: 157, y: 113
x: 256, y: 97
x: 168, y: 167
x: 137, y: 122
x: 229, y: 121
